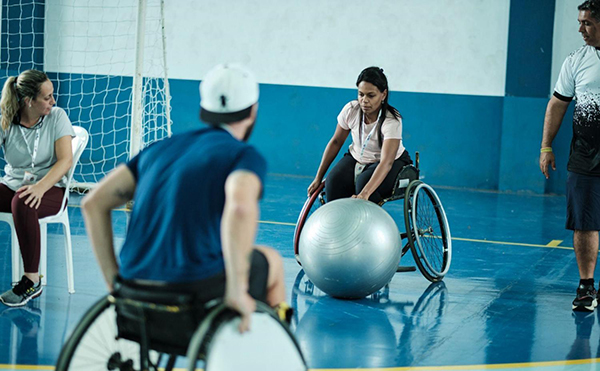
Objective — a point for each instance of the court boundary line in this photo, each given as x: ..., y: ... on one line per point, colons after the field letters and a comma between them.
x: 551, y: 245
x: 494, y: 366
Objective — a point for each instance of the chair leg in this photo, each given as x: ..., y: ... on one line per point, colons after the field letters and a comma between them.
x: 43, y: 252
x: 17, y: 261
x: 69, y: 256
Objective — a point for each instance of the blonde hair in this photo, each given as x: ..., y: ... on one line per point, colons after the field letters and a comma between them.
x: 26, y: 85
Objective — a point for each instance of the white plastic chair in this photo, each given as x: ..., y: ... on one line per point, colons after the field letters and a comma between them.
x: 79, y: 142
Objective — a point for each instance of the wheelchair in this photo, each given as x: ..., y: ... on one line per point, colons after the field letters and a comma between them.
x: 139, y: 328
x: 427, y: 229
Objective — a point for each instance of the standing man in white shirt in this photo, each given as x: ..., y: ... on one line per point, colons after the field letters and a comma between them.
x: 580, y: 79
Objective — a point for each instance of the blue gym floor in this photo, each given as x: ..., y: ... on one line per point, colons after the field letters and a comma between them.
x: 505, y: 304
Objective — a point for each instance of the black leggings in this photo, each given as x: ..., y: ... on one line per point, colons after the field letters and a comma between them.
x: 340, y: 180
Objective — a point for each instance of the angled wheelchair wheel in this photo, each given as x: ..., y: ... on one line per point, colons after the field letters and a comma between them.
x: 427, y: 230
x: 217, y: 344
x: 311, y: 204
x: 94, y: 344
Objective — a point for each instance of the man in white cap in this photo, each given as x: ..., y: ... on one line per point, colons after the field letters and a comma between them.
x: 195, y: 209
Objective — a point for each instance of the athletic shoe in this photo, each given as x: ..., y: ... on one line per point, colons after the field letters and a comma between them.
x: 22, y: 292
x: 586, y: 299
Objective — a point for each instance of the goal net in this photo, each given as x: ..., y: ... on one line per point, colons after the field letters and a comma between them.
x: 107, y: 59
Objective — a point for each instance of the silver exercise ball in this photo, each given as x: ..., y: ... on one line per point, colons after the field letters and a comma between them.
x: 350, y: 248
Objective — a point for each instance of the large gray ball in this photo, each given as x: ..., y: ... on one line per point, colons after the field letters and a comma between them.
x: 350, y: 248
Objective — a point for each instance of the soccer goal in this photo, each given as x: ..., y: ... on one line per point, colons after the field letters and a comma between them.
x: 108, y: 61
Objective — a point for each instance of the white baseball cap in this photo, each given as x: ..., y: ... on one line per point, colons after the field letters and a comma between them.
x: 227, y: 94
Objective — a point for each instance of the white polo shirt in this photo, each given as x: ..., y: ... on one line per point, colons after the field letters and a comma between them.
x: 18, y: 147
x: 350, y: 118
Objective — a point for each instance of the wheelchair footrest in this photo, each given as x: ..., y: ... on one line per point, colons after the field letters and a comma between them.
x: 405, y: 269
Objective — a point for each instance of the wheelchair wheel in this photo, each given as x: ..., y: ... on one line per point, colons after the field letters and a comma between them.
x: 273, y: 347
x: 94, y: 344
x: 427, y: 230
x: 312, y: 203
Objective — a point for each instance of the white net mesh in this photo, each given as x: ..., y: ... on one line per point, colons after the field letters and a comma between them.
x: 88, y: 49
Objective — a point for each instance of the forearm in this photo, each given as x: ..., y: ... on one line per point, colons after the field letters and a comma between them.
x: 555, y: 113
x: 57, y: 171
x: 238, y: 228
x: 115, y: 189
x: 378, y: 176
x: 98, y: 224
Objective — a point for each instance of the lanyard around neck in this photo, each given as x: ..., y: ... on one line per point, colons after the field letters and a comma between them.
x: 36, y: 143
x: 364, y: 143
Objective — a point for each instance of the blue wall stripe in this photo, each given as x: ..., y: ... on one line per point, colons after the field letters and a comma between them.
x: 529, y: 61
x: 458, y: 136
x: 519, y: 153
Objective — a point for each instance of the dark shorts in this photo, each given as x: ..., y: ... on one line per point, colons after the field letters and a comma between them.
x: 214, y: 287
x: 583, y: 202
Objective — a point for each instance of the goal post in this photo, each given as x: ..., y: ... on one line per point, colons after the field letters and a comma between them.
x: 108, y: 62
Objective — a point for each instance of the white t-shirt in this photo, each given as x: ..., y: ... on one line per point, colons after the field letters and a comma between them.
x: 18, y: 155
x: 580, y: 75
x: 350, y: 118
x: 580, y: 79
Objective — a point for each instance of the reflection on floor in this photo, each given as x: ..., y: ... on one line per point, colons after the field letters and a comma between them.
x: 505, y: 302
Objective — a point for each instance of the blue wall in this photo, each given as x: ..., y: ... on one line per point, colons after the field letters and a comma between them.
x: 528, y: 76
x: 457, y: 136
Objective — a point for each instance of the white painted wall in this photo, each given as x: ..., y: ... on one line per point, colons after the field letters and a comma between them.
x: 89, y: 37
x: 566, y: 37
x: 446, y: 46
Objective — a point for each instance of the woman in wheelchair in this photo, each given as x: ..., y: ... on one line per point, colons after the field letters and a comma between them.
x: 376, y: 156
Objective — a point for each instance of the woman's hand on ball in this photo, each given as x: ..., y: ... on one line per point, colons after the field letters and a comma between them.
x: 362, y: 196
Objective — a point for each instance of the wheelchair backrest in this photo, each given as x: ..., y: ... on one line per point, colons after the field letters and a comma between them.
x: 407, y: 175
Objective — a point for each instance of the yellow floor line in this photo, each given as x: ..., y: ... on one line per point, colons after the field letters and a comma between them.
x: 511, y: 243
x: 553, y: 244
x: 498, y: 366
